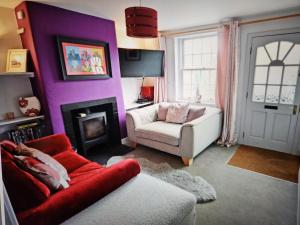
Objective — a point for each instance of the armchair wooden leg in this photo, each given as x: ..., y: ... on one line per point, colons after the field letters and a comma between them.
x: 187, y: 161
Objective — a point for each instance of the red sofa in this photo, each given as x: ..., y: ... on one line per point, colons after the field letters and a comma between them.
x: 34, y: 203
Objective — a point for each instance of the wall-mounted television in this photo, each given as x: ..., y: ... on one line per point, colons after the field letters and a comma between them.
x: 141, y: 62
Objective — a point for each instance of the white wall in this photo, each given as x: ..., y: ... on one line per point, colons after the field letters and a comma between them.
x: 131, y: 86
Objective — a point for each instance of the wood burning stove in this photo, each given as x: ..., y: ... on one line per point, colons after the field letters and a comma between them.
x: 92, y: 123
x: 93, y: 130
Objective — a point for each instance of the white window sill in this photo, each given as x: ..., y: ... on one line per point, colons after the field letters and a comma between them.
x: 196, y: 103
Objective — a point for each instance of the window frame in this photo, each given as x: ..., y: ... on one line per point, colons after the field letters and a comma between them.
x: 179, y: 64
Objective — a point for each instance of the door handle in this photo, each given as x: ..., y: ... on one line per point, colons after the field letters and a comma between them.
x: 295, y: 109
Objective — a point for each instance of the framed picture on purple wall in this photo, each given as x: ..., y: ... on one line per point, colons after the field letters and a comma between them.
x: 83, y: 59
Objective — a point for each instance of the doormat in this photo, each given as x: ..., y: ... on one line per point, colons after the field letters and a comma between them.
x: 276, y: 164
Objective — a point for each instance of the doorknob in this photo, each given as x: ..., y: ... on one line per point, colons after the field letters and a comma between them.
x: 295, y: 109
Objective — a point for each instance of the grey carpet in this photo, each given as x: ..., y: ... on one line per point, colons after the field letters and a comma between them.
x: 244, y: 197
x: 196, y: 185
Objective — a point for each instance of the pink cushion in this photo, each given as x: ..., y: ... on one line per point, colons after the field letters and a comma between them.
x: 162, y: 111
x: 177, y: 113
x: 195, y: 112
x: 44, y: 173
x: 46, y: 159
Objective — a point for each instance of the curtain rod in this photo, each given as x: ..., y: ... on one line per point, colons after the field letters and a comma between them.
x: 243, y: 22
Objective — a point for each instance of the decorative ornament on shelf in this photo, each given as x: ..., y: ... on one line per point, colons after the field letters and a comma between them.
x: 198, y: 96
x: 141, y: 22
x: 30, y: 106
x: 16, y: 60
x: 9, y: 116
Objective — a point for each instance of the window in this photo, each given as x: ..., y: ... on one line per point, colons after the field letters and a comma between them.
x: 276, y: 73
x: 196, y: 70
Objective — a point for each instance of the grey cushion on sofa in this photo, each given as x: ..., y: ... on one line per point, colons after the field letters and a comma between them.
x: 144, y: 200
x: 164, y: 132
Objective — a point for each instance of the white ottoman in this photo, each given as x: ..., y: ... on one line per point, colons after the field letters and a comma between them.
x: 144, y: 200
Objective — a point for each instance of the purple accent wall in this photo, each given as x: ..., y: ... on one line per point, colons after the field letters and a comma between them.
x: 47, y: 22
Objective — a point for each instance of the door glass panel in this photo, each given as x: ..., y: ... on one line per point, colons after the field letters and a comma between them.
x: 290, y: 75
x: 260, y: 76
x: 275, y: 73
x: 258, y: 93
x: 287, y: 95
x: 293, y: 56
x: 262, y: 57
x: 272, y: 49
x: 272, y: 95
x: 284, y: 48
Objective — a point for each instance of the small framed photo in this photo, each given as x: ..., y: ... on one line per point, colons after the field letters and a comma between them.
x: 83, y: 59
x: 16, y: 60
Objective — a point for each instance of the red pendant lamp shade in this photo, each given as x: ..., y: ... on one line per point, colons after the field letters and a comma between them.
x: 141, y: 22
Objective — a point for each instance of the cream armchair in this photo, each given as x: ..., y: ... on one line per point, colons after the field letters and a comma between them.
x: 185, y: 140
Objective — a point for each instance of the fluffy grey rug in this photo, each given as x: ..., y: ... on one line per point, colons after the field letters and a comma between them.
x: 196, y: 185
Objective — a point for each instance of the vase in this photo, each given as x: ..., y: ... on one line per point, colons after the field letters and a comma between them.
x: 30, y: 106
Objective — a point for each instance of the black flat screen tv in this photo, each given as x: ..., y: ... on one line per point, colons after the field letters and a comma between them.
x: 141, y: 62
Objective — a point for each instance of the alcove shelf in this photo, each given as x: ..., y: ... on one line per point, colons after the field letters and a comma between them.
x: 17, y: 74
x: 19, y: 120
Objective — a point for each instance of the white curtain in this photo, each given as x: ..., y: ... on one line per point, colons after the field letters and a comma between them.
x: 227, y: 79
x: 160, y: 83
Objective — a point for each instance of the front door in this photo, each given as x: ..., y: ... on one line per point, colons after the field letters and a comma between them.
x: 273, y: 96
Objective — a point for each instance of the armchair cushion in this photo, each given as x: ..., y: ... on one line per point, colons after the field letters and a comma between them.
x: 195, y: 112
x: 160, y: 131
x: 162, y: 111
x: 177, y: 113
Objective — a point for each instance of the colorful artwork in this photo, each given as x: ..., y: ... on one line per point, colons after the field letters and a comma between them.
x: 83, y: 60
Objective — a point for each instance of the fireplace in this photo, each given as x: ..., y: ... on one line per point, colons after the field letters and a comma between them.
x: 91, y: 123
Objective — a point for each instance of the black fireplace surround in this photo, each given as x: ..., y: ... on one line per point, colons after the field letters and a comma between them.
x: 90, y: 123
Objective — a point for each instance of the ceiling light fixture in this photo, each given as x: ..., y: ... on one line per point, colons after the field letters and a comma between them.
x: 141, y: 22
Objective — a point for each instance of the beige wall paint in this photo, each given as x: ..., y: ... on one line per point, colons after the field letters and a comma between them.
x: 8, y: 34
x: 131, y: 86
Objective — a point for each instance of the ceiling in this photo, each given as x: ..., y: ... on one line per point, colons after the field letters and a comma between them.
x: 172, y: 14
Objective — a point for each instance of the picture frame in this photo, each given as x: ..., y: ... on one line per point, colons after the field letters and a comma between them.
x: 82, y: 59
x: 16, y: 60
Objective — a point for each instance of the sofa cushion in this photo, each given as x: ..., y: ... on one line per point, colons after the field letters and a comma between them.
x: 24, y: 190
x: 85, y: 172
x: 162, y: 111
x: 177, y: 113
x: 46, y: 159
x: 195, y: 112
x: 70, y: 160
x: 42, y: 172
x: 160, y: 131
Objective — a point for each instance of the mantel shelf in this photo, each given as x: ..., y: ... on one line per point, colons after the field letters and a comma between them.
x: 17, y: 74
x: 20, y: 120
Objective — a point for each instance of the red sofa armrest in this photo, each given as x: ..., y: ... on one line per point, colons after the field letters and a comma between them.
x: 66, y: 203
x: 52, y: 144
